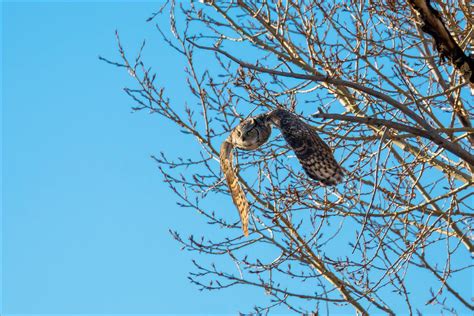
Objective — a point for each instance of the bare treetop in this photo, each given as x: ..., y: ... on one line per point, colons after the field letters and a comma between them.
x: 377, y: 82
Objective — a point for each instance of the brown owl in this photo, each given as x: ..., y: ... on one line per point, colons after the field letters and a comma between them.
x: 312, y: 152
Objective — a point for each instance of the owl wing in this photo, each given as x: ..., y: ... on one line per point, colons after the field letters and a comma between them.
x: 313, y: 153
x: 238, y: 195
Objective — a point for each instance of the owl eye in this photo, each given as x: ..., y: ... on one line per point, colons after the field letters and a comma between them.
x: 239, y: 133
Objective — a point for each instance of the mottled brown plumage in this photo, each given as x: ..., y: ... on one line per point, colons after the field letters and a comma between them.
x: 238, y: 195
x: 312, y: 152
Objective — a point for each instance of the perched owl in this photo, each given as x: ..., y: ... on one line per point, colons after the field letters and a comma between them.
x: 312, y: 152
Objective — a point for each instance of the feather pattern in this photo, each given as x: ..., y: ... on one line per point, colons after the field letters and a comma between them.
x: 313, y: 153
x: 238, y: 195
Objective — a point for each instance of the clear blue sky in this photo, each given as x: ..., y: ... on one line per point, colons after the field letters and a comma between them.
x: 85, y: 215
x: 85, y: 212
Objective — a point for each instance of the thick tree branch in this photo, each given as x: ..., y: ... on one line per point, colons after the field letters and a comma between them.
x: 401, y: 127
x: 446, y: 45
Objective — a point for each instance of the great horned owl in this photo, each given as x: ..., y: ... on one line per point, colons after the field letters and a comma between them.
x: 312, y: 152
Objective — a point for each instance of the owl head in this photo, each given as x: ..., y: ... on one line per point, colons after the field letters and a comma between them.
x: 251, y: 133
